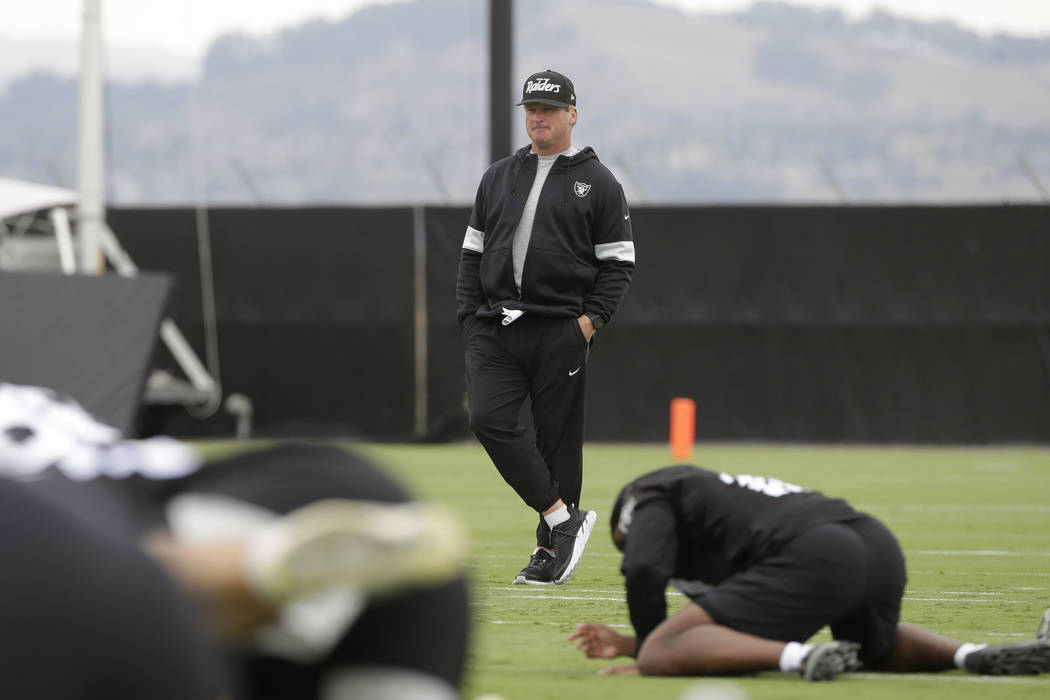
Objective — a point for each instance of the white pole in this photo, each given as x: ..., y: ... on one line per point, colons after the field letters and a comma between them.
x: 67, y: 256
x: 91, y: 214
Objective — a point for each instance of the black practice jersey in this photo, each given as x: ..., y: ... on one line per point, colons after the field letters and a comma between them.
x: 690, y: 523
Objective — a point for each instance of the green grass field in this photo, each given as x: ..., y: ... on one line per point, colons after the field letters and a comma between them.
x: 974, y: 525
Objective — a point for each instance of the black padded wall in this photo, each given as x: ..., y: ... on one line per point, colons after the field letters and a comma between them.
x: 314, y: 313
x: 829, y: 324
x: 447, y: 389
x: 869, y: 324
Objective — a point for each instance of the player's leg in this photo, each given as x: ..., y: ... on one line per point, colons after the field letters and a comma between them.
x: 761, y: 618
x: 691, y: 643
x: 497, y: 385
x: 498, y: 381
x: 557, y: 374
x: 919, y: 649
x: 889, y: 645
x: 558, y: 377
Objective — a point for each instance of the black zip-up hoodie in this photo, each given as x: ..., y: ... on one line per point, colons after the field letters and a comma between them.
x: 581, y: 252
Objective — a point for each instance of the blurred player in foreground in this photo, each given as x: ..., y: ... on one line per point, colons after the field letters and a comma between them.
x: 88, y: 616
x: 767, y: 564
x: 319, y: 575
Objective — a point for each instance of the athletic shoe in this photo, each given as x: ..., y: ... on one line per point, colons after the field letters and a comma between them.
x: 569, y: 539
x: 827, y: 660
x: 539, y: 571
x: 1017, y: 659
x: 1042, y: 632
x: 375, y: 548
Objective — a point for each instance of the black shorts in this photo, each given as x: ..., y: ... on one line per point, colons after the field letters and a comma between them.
x: 847, y: 575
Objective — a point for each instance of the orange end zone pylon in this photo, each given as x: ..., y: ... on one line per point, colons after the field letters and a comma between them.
x: 683, y: 427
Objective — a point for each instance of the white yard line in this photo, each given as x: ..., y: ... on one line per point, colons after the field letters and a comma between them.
x: 563, y: 597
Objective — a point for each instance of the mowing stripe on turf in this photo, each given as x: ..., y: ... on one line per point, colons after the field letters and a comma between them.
x: 608, y: 595
x: 951, y: 678
x: 923, y: 572
x: 948, y: 677
x: 930, y: 552
x: 976, y: 553
x: 956, y: 508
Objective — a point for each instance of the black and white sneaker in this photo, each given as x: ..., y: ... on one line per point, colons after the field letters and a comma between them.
x: 569, y: 539
x: 827, y: 660
x: 1018, y: 659
x: 539, y: 571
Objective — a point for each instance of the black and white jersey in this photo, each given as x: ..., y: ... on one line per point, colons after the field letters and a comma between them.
x: 41, y: 429
x: 690, y: 523
x: 56, y: 448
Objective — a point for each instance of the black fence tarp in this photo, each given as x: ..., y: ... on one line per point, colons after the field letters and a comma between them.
x: 314, y: 312
x: 446, y: 405
x: 861, y: 324
x: 865, y: 324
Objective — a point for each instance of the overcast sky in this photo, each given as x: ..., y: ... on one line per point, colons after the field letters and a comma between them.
x: 167, y: 38
x: 187, y: 26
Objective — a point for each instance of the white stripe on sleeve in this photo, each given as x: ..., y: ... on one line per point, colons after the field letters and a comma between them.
x: 620, y: 250
x: 475, y: 240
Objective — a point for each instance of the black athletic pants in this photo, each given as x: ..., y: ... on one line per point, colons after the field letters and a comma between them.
x: 544, y: 359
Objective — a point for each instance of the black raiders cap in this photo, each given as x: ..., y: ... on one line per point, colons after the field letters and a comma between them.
x: 550, y: 88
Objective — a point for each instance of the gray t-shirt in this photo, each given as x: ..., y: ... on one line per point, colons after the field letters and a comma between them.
x: 524, y: 231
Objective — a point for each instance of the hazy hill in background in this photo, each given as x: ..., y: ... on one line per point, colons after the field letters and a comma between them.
x: 774, y: 104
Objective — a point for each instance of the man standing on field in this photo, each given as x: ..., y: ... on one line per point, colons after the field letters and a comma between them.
x: 546, y: 259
